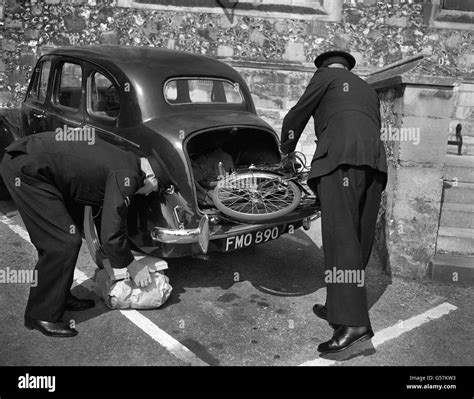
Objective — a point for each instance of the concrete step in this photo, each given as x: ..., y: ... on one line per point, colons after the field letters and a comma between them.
x: 452, y: 268
x: 457, y: 215
x: 455, y: 241
x: 459, y: 167
x: 464, y: 161
x: 459, y: 192
x: 467, y: 150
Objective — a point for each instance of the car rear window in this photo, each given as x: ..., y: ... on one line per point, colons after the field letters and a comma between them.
x: 202, y: 91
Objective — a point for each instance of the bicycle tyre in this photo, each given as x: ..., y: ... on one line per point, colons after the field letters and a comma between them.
x: 219, y: 201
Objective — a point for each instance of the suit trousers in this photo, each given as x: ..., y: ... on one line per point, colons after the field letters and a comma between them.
x: 350, y: 199
x: 52, y: 231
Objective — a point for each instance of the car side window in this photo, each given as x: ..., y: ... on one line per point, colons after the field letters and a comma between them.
x: 103, y: 98
x: 69, y: 88
x: 39, y: 87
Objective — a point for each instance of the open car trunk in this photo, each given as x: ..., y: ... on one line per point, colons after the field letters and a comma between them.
x: 216, y: 152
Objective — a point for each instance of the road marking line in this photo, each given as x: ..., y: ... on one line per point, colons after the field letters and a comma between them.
x: 396, y: 330
x: 146, y: 325
x: 142, y: 322
x: 412, y: 323
x: 15, y: 228
x: 82, y: 279
x: 164, y: 339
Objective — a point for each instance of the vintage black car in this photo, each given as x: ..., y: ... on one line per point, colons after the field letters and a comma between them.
x: 187, y: 110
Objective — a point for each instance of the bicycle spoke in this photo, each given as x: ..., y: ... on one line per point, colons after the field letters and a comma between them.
x: 257, y: 194
x: 242, y: 207
x: 235, y: 194
x: 280, y: 199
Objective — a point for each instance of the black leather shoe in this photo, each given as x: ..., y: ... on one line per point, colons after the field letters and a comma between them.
x: 59, y: 329
x: 344, y: 337
x: 75, y: 304
x: 321, y: 311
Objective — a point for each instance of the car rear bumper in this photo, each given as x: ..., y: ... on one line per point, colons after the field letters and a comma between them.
x: 209, y: 237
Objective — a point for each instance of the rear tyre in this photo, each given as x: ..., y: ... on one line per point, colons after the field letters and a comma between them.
x: 4, y: 194
x: 91, y: 233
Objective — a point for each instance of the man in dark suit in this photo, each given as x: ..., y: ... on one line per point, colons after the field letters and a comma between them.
x: 49, y: 179
x: 348, y: 173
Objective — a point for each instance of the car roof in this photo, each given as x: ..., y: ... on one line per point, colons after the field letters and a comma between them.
x: 169, y: 61
x: 147, y: 68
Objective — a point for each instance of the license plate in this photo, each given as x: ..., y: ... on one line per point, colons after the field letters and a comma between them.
x: 248, y: 239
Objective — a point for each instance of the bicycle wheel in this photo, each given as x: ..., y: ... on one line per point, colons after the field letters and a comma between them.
x: 256, y: 196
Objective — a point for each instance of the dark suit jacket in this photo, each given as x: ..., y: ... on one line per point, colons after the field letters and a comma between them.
x: 98, y: 175
x: 346, y: 121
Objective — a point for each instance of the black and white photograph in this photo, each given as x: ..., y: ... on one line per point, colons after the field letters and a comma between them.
x: 271, y: 191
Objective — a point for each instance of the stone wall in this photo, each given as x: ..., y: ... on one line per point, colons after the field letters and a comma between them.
x: 377, y: 33
x: 408, y: 228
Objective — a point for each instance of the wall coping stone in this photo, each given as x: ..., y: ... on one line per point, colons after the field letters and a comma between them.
x: 402, y: 73
x: 329, y: 11
x: 285, y: 66
x: 415, y: 80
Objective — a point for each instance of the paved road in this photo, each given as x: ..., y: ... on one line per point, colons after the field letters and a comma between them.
x: 251, y: 307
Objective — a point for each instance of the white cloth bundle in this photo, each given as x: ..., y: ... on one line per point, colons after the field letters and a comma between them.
x: 120, y: 292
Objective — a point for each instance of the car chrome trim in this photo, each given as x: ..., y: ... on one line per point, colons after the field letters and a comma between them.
x: 176, y: 216
x: 187, y: 236
x: 200, y: 234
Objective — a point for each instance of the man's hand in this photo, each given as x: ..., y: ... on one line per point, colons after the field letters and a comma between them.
x: 139, y: 273
x: 288, y: 161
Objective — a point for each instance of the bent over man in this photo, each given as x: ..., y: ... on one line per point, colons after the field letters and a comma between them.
x: 348, y: 173
x: 49, y: 180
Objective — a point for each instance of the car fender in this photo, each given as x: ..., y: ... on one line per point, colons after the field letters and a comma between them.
x: 9, y: 132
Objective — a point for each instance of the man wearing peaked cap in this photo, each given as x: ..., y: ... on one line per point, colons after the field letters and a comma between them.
x: 334, y: 57
x: 49, y: 180
x: 348, y: 173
